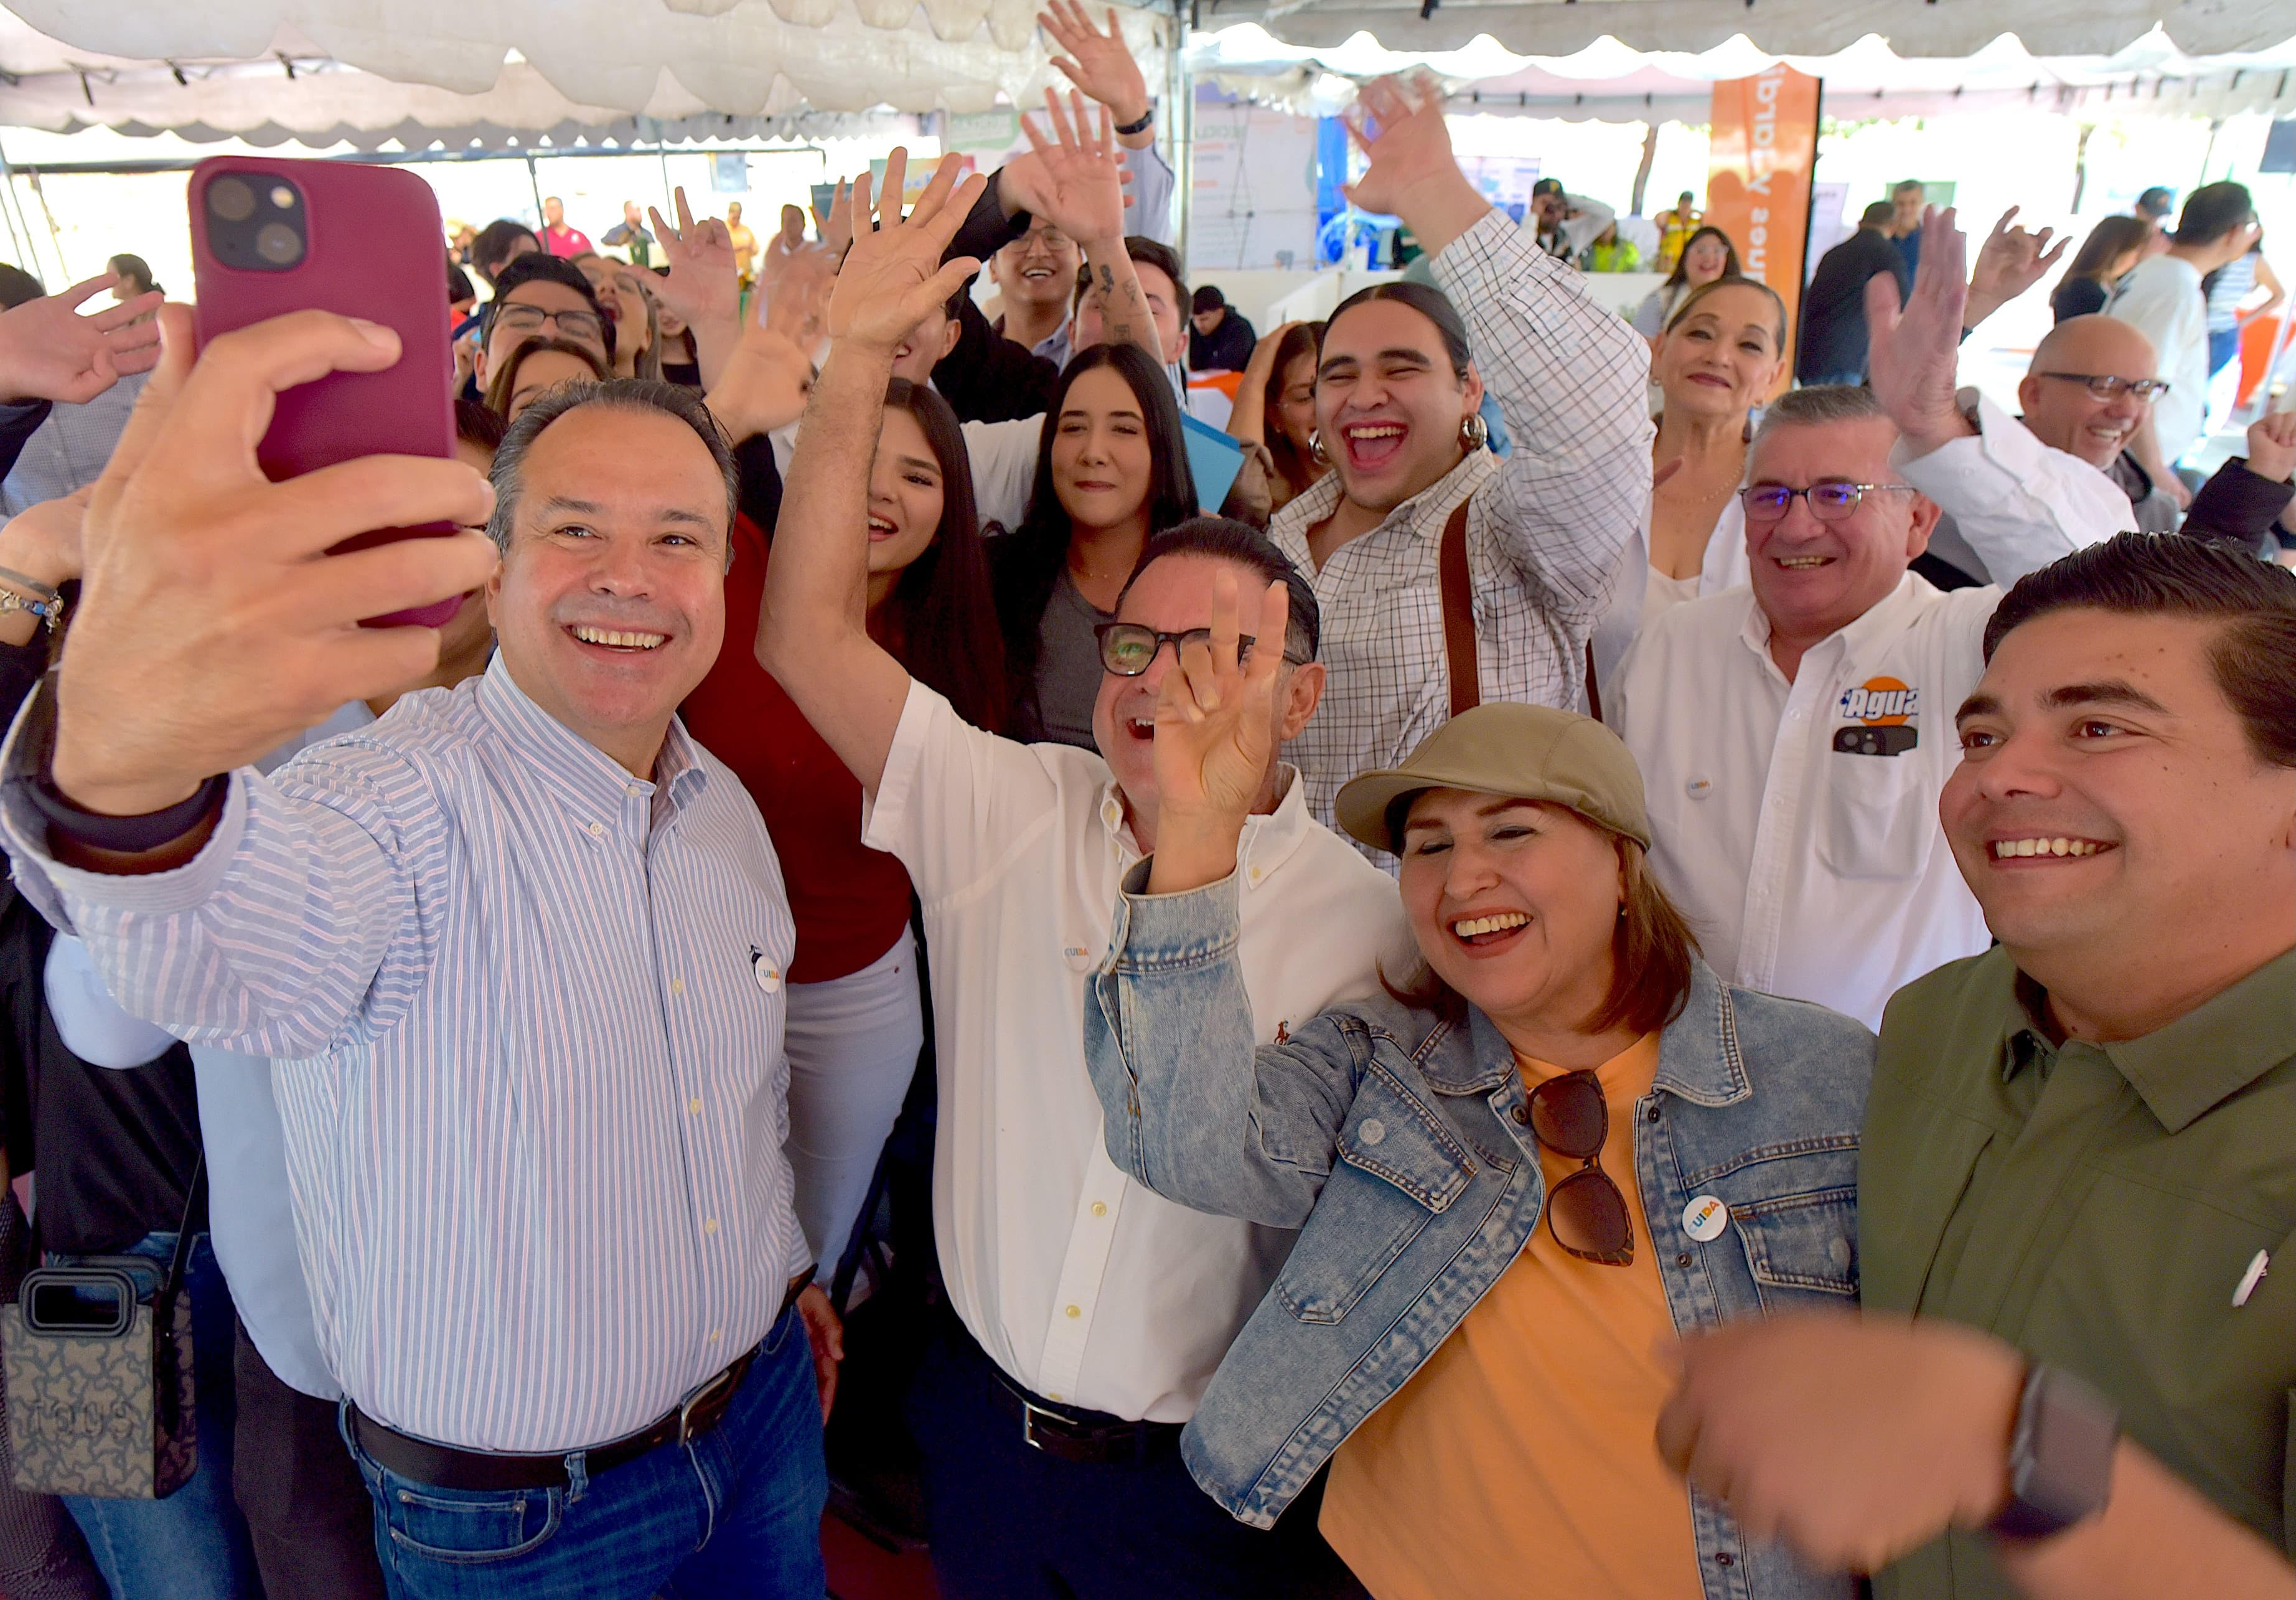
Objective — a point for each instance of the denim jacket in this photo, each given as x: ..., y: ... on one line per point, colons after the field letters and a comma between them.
x: 1389, y: 1137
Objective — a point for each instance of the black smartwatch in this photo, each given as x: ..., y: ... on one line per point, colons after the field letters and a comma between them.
x: 1147, y: 120
x: 2060, y: 1457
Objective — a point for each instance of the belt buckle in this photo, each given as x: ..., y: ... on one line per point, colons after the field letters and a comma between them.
x: 686, y: 1407
x: 1029, y: 1412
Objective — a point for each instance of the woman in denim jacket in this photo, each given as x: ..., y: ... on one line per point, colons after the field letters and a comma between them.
x: 1486, y: 1388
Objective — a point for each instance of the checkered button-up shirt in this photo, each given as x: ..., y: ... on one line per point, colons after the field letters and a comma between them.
x: 1545, y: 526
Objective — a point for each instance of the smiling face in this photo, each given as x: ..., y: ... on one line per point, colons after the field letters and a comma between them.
x: 2110, y: 812
x: 1038, y: 269
x: 1173, y: 595
x: 1514, y: 903
x: 1388, y: 404
x: 1722, y: 359
x: 1814, y: 578
x: 609, y: 605
x: 2062, y: 412
x: 904, y: 494
x: 1704, y: 260
x: 1103, y: 465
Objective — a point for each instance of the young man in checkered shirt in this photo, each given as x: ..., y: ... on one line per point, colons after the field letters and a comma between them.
x: 1396, y: 399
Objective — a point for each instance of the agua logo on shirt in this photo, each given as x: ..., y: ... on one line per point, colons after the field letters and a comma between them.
x: 1882, y: 702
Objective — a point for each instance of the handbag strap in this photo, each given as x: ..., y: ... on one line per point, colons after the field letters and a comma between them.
x: 1458, y: 612
x: 1594, y: 690
x: 164, y: 1302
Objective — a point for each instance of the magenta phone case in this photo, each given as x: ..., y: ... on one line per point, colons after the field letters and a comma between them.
x: 373, y: 248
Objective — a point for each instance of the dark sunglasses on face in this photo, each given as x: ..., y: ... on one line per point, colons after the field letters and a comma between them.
x: 1128, y: 649
x: 1587, y: 1212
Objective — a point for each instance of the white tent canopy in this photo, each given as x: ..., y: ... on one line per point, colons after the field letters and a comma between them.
x: 1913, y: 28
x: 328, y: 70
x: 1611, y: 82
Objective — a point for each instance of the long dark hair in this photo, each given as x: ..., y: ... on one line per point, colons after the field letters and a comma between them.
x: 940, y: 621
x: 1730, y: 269
x: 1026, y: 564
x: 2109, y: 240
x: 1297, y: 472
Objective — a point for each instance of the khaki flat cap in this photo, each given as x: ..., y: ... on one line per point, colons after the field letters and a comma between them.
x: 1527, y: 752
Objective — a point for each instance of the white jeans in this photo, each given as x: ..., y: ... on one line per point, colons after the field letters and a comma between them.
x: 853, y: 1044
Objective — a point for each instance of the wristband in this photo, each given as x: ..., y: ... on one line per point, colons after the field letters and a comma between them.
x: 31, y: 586
x: 126, y: 835
x: 1147, y: 120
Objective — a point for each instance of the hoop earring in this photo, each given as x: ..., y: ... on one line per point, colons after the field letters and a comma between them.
x: 1474, y: 433
x: 1316, y: 447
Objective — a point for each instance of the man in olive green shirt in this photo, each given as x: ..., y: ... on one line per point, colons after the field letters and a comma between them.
x: 2082, y: 1143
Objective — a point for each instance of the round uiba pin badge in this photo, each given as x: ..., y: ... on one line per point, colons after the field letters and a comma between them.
x: 768, y: 976
x: 1705, y: 1218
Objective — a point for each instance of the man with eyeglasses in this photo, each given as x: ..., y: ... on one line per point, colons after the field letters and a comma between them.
x: 539, y: 297
x: 1089, y: 1312
x: 1794, y: 737
x: 2088, y: 392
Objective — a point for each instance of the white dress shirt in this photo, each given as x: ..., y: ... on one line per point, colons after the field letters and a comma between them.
x: 1079, y: 1284
x: 1809, y: 871
x: 2162, y: 297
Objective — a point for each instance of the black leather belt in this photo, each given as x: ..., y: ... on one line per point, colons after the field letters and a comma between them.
x: 1093, y: 1438
x: 443, y: 1466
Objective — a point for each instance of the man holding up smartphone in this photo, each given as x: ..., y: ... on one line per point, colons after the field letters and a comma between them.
x: 518, y: 948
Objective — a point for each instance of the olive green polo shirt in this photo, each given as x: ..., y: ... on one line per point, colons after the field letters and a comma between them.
x: 2096, y: 1206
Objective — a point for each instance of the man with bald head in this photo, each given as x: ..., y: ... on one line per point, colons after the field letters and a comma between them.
x: 2088, y: 391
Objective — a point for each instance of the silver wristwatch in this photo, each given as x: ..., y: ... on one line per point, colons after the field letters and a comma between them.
x: 2060, y: 1457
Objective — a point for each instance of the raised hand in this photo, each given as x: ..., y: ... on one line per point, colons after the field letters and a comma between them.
x: 1100, y: 64
x: 702, y: 285
x: 893, y: 276
x: 1215, y: 719
x: 1413, y: 173
x: 1914, y: 354
x: 2009, y: 262
x: 2272, y: 446
x: 836, y: 228
x: 49, y: 351
x: 212, y: 622
x: 1076, y: 183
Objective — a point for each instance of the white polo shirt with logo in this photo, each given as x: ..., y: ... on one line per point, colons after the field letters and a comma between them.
x: 1795, y: 824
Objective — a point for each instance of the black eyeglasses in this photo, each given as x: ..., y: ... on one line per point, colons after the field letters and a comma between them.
x: 1828, y: 502
x: 1587, y: 1212
x: 531, y: 319
x: 2105, y: 387
x: 1128, y: 649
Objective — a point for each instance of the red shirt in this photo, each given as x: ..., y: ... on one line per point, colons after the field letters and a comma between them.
x: 563, y: 241
x: 850, y: 903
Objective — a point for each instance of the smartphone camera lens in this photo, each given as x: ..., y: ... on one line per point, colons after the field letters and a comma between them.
x: 256, y: 222
x: 278, y: 244
x: 231, y: 200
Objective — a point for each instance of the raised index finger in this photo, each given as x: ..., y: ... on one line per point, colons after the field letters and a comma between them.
x: 1268, y: 633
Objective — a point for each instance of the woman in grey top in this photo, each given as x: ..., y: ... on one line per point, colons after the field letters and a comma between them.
x: 1111, y: 471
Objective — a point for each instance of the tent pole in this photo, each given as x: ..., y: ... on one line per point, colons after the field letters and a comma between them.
x: 534, y: 182
x: 1183, y: 123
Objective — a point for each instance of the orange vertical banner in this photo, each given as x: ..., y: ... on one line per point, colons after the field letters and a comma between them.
x: 1765, y: 146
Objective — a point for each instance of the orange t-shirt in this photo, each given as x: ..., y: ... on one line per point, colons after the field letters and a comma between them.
x: 1520, y: 1459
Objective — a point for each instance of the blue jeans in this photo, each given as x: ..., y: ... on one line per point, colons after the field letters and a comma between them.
x: 192, y: 1545
x: 737, y: 1513
x: 2224, y: 344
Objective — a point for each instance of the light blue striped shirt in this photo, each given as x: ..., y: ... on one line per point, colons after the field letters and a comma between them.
x: 527, y: 1011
